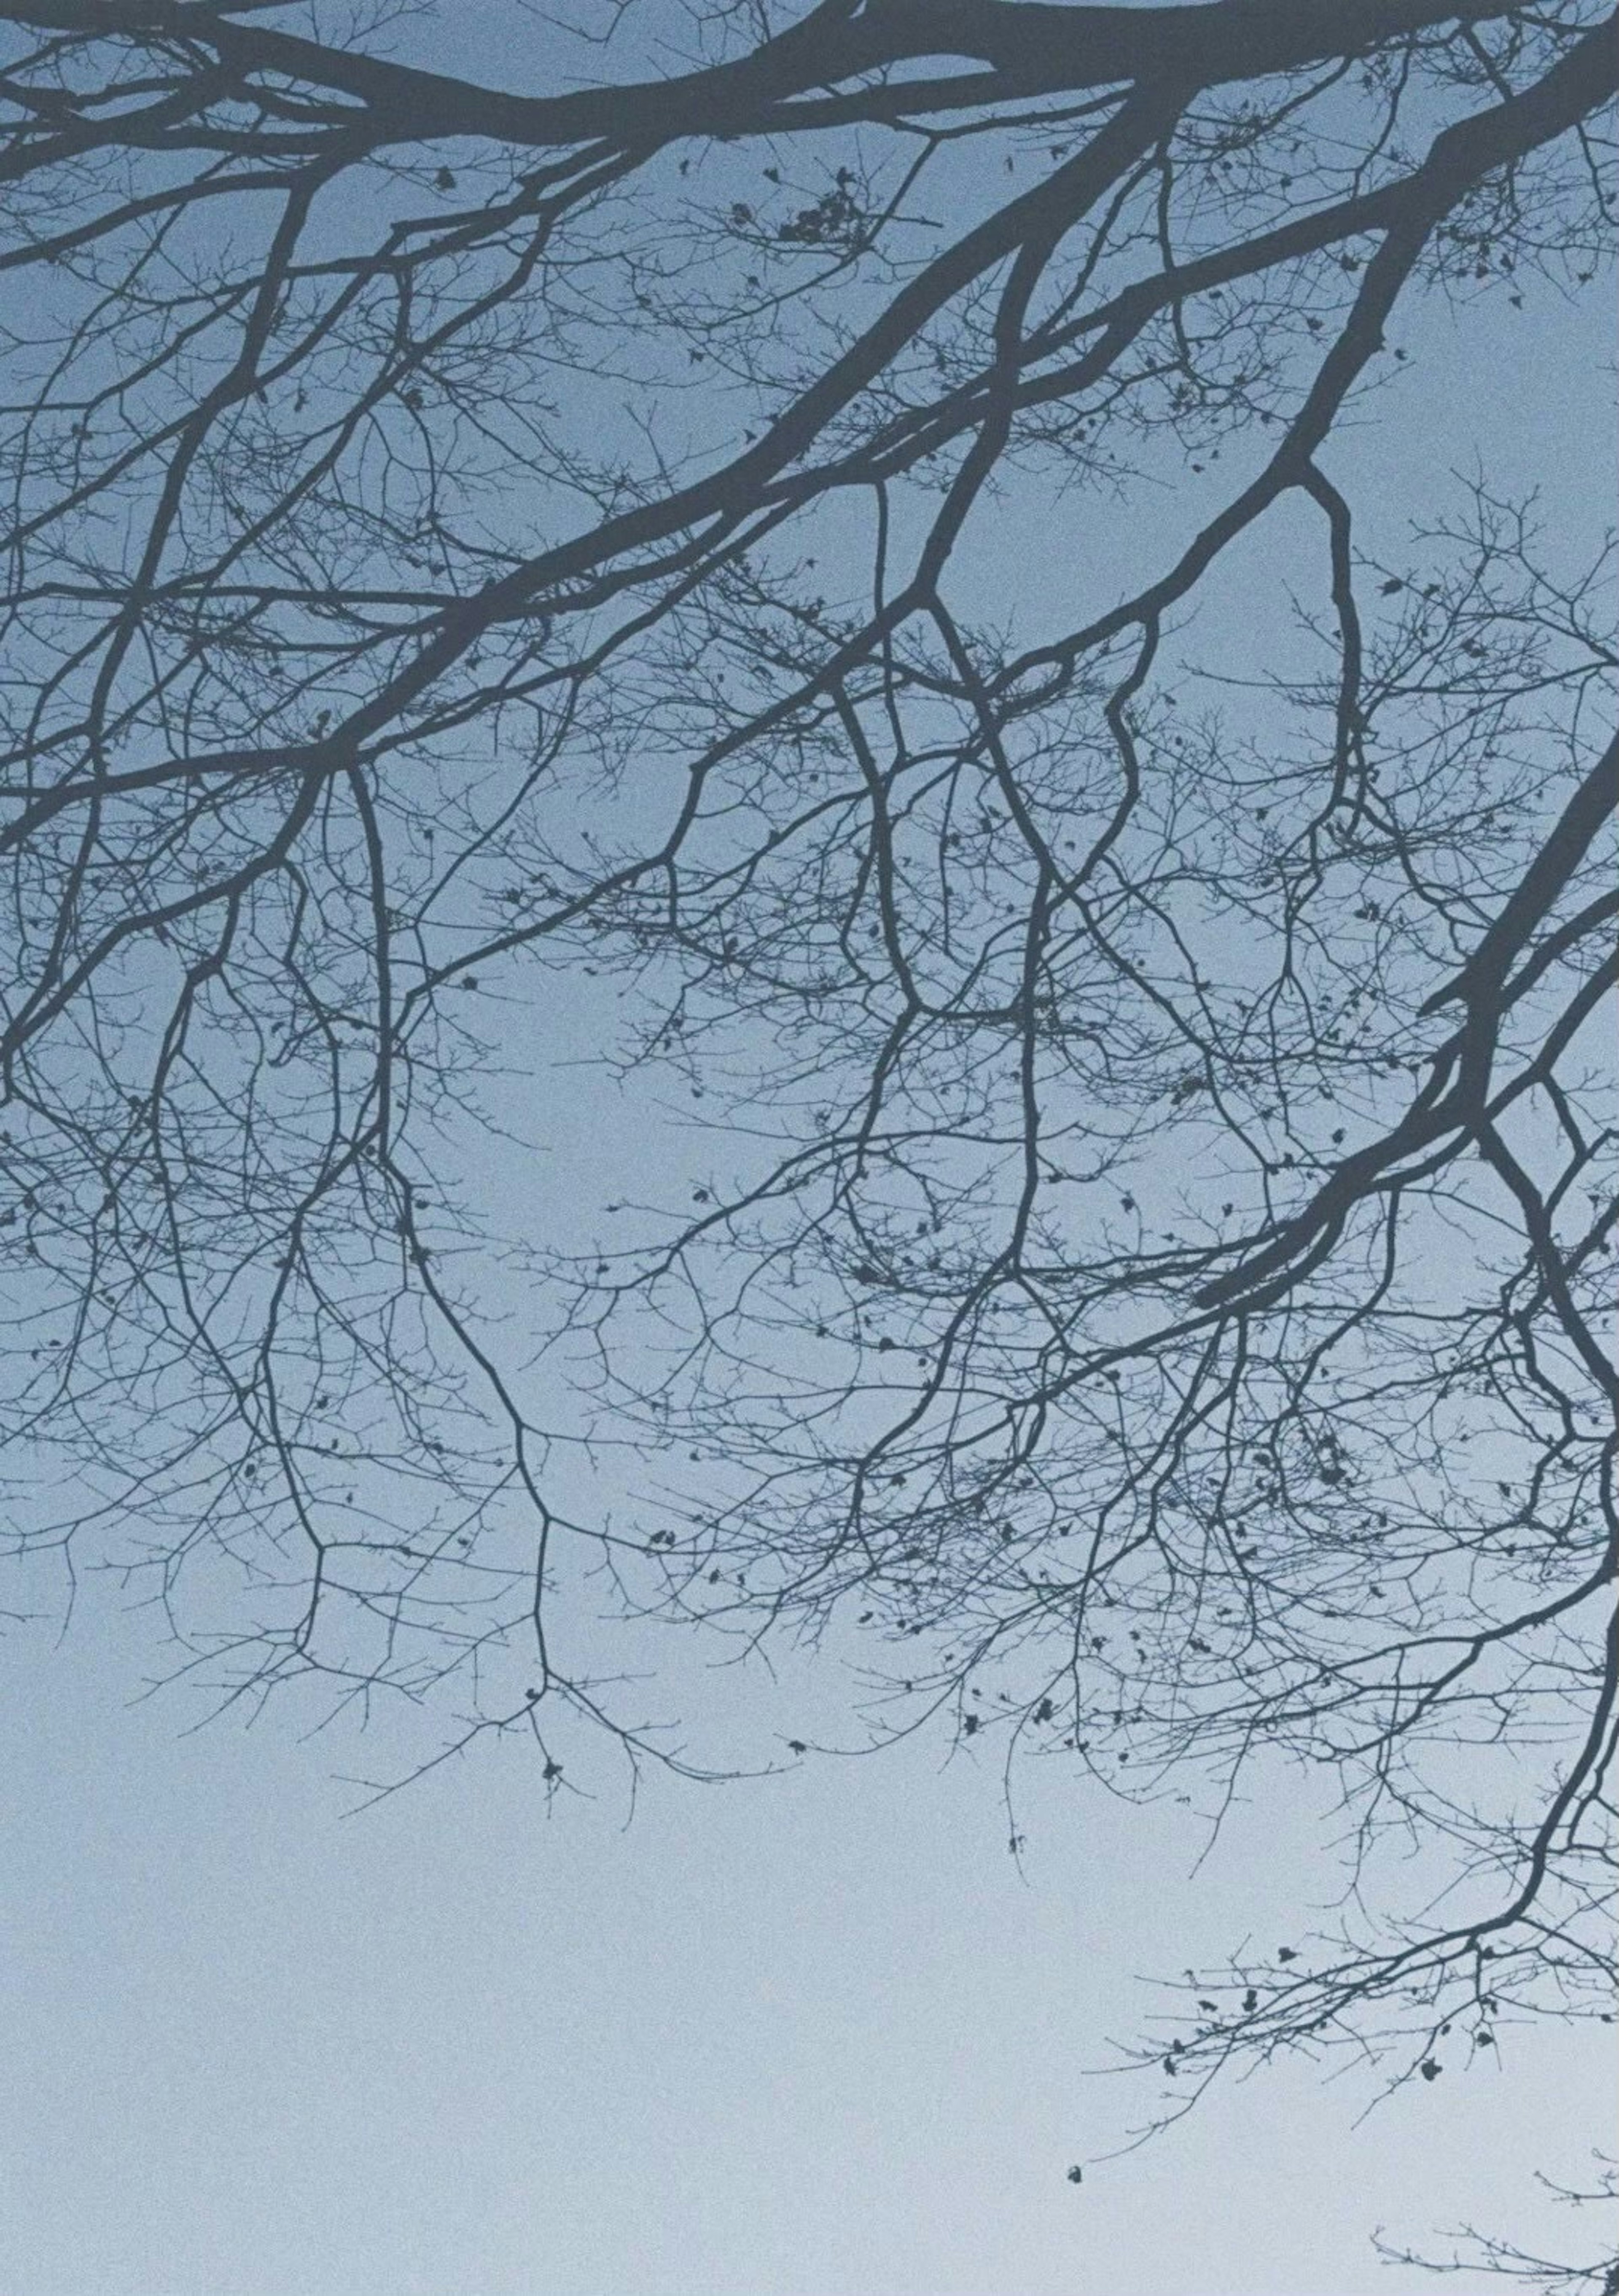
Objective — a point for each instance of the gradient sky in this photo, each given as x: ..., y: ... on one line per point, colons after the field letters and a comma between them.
x: 809, y: 2035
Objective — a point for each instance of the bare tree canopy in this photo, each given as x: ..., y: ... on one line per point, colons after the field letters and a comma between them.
x: 753, y: 553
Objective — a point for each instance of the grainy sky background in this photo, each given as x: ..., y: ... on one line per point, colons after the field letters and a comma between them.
x: 809, y: 2035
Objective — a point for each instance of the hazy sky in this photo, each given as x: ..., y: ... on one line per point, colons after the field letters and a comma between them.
x: 811, y: 2035
x: 807, y: 2037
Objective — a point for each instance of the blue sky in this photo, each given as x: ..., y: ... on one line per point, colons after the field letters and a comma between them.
x: 810, y: 2035
x: 814, y: 2034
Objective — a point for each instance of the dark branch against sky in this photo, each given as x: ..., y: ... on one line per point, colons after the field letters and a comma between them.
x: 758, y: 877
